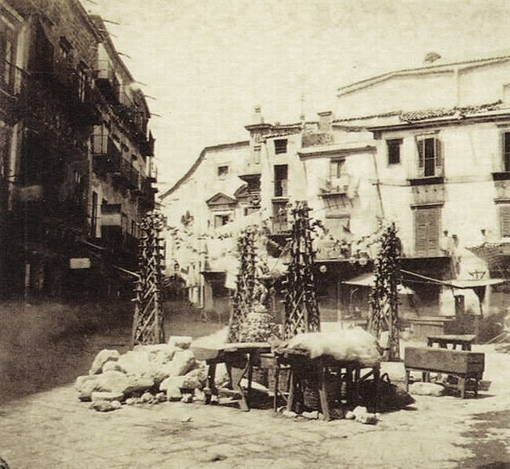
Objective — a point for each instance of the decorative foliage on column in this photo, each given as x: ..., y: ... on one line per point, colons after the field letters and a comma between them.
x: 384, y: 297
x: 245, y: 287
x: 301, y: 308
x: 148, y: 317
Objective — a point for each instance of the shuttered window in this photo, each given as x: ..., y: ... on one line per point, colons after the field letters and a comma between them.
x: 430, y: 159
x: 506, y: 151
x: 427, y: 229
x: 504, y: 220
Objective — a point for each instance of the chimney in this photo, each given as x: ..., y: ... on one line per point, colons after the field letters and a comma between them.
x: 257, y: 115
x: 325, y: 119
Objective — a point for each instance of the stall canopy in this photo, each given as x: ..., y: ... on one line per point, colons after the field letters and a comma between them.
x: 368, y: 280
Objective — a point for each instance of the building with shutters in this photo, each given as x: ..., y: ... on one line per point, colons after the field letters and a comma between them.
x: 76, y: 153
x: 441, y: 138
x: 426, y: 148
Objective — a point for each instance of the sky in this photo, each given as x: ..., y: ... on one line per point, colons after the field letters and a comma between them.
x: 205, y: 64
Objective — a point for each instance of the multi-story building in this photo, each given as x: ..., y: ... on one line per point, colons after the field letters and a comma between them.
x: 11, y: 40
x: 77, y: 163
x: 425, y: 148
x: 209, y: 197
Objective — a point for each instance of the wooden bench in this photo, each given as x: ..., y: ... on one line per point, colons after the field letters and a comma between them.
x: 463, y: 365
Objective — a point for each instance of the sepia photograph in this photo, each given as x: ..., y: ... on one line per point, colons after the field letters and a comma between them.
x: 254, y: 234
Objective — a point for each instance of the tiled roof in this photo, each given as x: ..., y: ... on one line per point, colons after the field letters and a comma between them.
x: 370, y: 116
x: 447, y: 112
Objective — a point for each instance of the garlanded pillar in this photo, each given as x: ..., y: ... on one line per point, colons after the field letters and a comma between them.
x: 301, y: 308
x: 384, y: 296
x: 148, y: 317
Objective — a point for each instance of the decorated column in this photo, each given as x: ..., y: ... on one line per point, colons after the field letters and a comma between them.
x: 245, y: 286
x: 148, y: 317
x: 301, y: 308
x: 384, y: 297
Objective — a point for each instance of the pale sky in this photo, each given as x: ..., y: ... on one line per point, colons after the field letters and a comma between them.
x: 207, y: 63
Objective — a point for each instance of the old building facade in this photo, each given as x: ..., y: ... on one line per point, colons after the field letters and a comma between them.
x: 425, y: 148
x: 77, y: 160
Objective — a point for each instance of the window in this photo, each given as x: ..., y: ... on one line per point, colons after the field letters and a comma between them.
x: 426, y: 225
x: 504, y: 220
x: 394, y: 151
x: 100, y: 140
x: 221, y: 220
x: 82, y: 81
x: 335, y: 168
x: 506, y: 151
x: 281, y: 180
x: 280, y: 217
x: 222, y: 171
x: 429, y: 156
x: 280, y: 146
x: 249, y: 210
x: 65, y: 48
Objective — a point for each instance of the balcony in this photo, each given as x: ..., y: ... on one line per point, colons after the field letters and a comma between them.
x: 280, y: 223
x: 111, y: 215
x: 334, y: 185
x: 106, y: 81
x: 127, y: 174
x: 119, y: 241
x: 147, y: 194
x: 106, y: 156
x: 428, y: 194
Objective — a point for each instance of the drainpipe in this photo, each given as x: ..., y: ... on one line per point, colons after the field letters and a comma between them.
x: 378, y: 185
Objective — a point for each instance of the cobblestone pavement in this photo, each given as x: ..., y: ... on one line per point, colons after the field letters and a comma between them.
x: 55, y: 430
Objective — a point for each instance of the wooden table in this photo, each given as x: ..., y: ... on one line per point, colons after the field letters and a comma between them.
x: 464, y: 341
x: 464, y: 365
x: 348, y: 371
x: 242, y: 355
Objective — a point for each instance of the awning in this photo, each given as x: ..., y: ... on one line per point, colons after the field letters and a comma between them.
x: 468, y: 283
x: 368, y: 280
x: 459, y: 283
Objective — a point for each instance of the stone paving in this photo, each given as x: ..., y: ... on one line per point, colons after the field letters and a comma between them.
x: 55, y: 430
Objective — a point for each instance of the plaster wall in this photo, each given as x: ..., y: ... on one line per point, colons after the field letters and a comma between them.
x: 458, y: 85
x: 399, y: 93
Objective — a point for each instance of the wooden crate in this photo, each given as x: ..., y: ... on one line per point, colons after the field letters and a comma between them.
x: 444, y: 361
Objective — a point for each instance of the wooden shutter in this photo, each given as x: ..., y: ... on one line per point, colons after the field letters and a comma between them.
x: 505, y: 144
x: 420, y: 146
x: 504, y: 219
x: 426, y: 223
x: 439, y: 154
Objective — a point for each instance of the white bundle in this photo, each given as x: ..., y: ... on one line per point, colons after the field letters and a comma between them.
x: 346, y: 344
x: 211, y: 341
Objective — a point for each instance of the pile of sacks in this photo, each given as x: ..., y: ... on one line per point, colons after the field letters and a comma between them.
x: 147, y: 374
